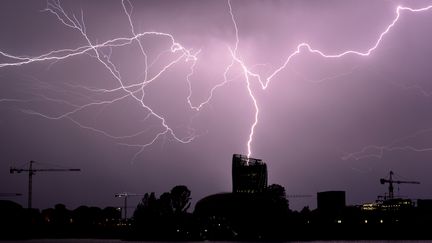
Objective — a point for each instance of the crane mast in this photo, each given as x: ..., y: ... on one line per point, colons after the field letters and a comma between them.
x: 31, y: 172
x: 390, y: 181
x: 125, y: 195
x: 9, y: 194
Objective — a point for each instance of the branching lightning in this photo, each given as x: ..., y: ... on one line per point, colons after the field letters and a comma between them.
x: 179, y: 54
x: 264, y: 82
x: 94, y: 50
x: 377, y: 151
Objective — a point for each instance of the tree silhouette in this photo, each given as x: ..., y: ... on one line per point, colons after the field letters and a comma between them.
x: 61, y: 215
x: 145, y: 211
x: 276, y: 193
x: 165, y: 204
x: 165, y: 217
x: 180, y: 199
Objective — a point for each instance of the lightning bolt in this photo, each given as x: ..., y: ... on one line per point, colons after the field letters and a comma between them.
x: 377, y: 151
x: 135, y: 91
x: 179, y: 54
x: 264, y: 82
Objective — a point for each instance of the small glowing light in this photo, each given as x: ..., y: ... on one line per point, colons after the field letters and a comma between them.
x: 365, y: 221
x: 381, y: 221
x: 339, y: 221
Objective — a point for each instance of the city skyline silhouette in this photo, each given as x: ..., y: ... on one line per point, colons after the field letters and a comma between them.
x: 143, y: 95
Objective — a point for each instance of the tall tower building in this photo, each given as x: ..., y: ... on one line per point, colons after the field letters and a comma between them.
x: 249, y: 175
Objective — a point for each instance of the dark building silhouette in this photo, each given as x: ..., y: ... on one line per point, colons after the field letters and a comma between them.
x: 424, y: 204
x: 331, y: 201
x: 249, y: 175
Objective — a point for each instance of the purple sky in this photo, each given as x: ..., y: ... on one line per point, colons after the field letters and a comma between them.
x: 316, y: 118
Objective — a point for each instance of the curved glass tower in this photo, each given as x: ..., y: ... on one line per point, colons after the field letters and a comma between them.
x: 249, y: 175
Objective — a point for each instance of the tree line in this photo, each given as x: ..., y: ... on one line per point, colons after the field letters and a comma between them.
x: 224, y: 216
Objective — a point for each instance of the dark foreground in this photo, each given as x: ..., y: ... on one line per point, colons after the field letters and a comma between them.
x: 222, y: 217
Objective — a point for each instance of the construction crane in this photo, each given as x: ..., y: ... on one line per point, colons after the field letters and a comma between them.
x: 31, y: 172
x: 9, y: 194
x: 390, y: 181
x: 125, y: 195
x: 297, y: 195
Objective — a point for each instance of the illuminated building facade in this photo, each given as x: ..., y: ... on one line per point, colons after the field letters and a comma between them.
x: 249, y: 175
x: 394, y: 204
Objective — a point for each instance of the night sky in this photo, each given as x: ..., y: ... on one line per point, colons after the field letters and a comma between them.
x: 323, y: 123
